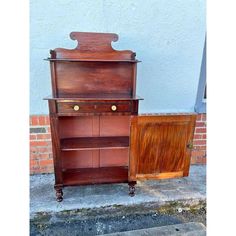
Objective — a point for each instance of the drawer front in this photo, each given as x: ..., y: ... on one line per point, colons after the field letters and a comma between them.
x: 93, y: 107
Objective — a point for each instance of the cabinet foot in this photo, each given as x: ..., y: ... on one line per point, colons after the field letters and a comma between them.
x: 59, y: 194
x: 132, y: 188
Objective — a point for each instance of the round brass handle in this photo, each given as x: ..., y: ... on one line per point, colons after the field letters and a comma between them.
x: 113, y: 107
x: 76, y: 107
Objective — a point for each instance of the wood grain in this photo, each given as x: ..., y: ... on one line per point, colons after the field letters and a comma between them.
x: 159, y: 145
x: 93, y: 46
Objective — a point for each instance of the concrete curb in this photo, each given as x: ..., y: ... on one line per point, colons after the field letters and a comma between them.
x: 187, y: 229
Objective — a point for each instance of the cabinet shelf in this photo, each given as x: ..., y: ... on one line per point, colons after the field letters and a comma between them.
x: 89, y: 143
x: 88, y: 60
x: 100, y: 175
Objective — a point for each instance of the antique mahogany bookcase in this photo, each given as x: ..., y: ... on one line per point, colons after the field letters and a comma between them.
x: 97, y: 134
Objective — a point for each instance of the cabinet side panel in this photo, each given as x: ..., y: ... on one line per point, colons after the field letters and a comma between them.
x: 54, y: 124
x: 133, y: 149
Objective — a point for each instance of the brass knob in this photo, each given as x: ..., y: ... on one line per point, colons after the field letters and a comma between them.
x: 113, y: 107
x: 76, y: 107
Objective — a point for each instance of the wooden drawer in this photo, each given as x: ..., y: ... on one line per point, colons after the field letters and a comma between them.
x: 113, y: 107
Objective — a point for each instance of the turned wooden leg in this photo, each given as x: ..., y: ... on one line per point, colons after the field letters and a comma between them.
x: 59, y: 193
x: 132, y: 188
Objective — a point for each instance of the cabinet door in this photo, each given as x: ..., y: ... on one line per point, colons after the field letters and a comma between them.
x: 160, y: 146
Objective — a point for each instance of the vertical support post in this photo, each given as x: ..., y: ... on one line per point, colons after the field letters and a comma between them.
x: 56, y: 150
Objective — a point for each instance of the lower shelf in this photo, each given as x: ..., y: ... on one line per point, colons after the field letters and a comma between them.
x: 95, y: 175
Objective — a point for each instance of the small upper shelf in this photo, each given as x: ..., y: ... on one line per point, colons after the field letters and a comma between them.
x: 89, y: 60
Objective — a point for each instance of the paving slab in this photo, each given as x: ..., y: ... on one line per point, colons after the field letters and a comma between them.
x: 186, y: 229
x: 188, y: 190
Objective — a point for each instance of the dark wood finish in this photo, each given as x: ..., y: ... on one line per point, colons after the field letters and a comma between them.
x: 71, y: 144
x: 159, y: 146
x: 132, y: 188
x: 92, y: 108
x: 90, y: 60
x: 94, y: 79
x: 93, y: 46
x: 59, y: 193
x: 93, y: 68
x: 100, y: 175
x: 105, y: 97
x: 94, y: 94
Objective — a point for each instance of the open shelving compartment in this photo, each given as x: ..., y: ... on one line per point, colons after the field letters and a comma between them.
x: 94, y: 149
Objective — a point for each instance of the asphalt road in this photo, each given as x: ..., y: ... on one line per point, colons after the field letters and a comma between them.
x: 99, y: 225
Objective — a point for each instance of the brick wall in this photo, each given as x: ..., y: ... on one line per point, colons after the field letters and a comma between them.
x: 40, y: 145
x: 199, y: 141
x: 41, y: 149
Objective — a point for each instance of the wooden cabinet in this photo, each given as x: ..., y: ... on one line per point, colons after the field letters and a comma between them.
x: 97, y: 134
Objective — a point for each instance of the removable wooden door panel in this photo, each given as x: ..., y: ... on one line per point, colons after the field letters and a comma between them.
x: 158, y: 147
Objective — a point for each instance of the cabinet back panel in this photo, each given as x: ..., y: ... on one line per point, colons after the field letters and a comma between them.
x: 89, y: 78
x: 78, y: 126
x: 91, y: 126
x: 114, y: 125
x: 114, y: 157
x: 77, y: 159
x: 95, y: 158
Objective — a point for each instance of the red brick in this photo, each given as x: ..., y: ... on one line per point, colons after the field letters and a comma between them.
x: 204, y: 136
x: 32, y: 136
x: 43, y: 136
x: 201, y: 147
x: 203, y: 117
x: 199, y: 142
x: 34, y: 120
x: 44, y: 149
x: 199, y: 117
x: 200, y: 160
x: 200, y: 130
x: 49, y: 129
x: 45, y: 162
x: 39, y: 143
x: 197, y: 136
x: 41, y: 120
x: 34, y: 163
x: 33, y: 156
x: 200, y: 124
x: 40, y: 156
x: 33, y: 149
x: 47, y: 120
x: 197, y: 153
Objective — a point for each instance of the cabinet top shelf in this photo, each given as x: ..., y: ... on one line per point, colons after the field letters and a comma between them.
x: 89, y: 60
x: 92, y: 98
